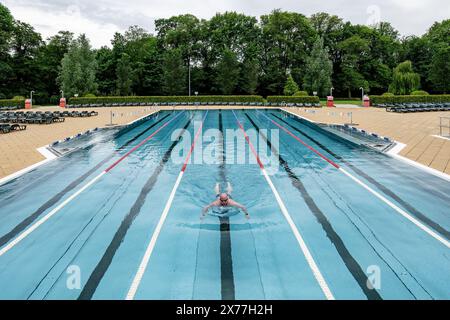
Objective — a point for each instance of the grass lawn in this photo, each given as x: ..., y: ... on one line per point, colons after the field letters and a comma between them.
x: 354, y: 102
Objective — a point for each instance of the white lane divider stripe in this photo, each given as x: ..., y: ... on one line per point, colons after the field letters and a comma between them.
x: 148, y: 252
x: 38, y: 223
x: 398, y: 209
x: 33, y: 227
x: 303, y: 247
x: 308, y: 256
x: 404, y: 213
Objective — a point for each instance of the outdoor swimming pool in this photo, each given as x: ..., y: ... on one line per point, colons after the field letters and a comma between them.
x: 119, y: 217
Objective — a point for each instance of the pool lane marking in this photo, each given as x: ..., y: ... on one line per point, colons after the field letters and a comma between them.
x: 375, y: 193
x: 226, y: 258
x: 409, y: 208
x: 148, y: 252
x: 102, y: 266
x: 350, y: 262
x: 28, y: 220
x: 308, y: 256
x: 38, y: 223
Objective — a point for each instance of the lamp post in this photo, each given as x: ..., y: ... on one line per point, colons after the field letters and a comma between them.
x: 331, y: 91
x: 189, y: 67
x: 31, y: 97
x: 62, y: 93
x: 362, y: 92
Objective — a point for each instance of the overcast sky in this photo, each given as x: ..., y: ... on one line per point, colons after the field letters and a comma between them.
x: 99, y: 19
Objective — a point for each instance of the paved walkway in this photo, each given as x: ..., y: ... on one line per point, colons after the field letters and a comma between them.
x: 18, y: 149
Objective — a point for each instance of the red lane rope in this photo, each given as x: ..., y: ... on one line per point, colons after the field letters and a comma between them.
x: 141, y: 143
x: 334, y: 164
x: 193, y: 143
x: 249, y: 142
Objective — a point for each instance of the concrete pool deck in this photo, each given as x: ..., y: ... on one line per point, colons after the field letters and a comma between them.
x: 18, y: 150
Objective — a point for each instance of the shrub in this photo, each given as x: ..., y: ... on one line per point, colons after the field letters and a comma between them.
x: 18, y: 98
x: 89, y: 95
x: 436, y: 98
x: 388, y: 94
x: 301, y: 93
x: 12, y: 102
x: 293, y: 99
x: 291, y: 87
x: 419, y: 93
x: 160, y: 99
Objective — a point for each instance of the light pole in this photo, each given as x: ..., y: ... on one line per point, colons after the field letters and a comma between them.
x: 331, y: 91
x: 31, y: 97
x: 362, y: 94
x: 189, y: 67
x: 62, y: 93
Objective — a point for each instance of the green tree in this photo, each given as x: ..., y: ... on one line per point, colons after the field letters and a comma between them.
x: 404, y: 79
x: 291, y: 87
x: 49, y: 60
x: 227, y: 72
x: 286, y: 39
x: 318, y: 70
x: 174, y: 73
x: 6, y: 33
x: 124, y: 73
x: 353, y: 49
x: 106, y: 71
x: 248, y: 81
x: 440, y: 69
x: 78, y: 69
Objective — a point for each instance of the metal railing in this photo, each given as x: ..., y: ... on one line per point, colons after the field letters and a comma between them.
x: 444, y: 126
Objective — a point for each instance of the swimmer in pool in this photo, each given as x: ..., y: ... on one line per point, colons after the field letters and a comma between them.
x: 224, y: 200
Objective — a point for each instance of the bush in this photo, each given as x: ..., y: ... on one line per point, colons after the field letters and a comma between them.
x: 437, y: 98
x: 160, y: 99
x: 12, y: 102
x: 18, y: 98
x: 301, y: 94
x: 293, y: 99
x: 89, y: 95
x: 419, y: 93
x: 388, y: 94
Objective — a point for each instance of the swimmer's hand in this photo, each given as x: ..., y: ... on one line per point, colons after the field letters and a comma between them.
x: 204, y: 211
x: 247, y: 216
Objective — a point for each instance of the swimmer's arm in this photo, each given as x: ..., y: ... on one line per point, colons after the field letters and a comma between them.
x: 240, y: 206
x: 212, y: 204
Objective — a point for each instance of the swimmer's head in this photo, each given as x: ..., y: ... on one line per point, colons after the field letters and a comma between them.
x: 223, y: 198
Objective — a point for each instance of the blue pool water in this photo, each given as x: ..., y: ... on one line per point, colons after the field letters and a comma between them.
x: 100, y: 235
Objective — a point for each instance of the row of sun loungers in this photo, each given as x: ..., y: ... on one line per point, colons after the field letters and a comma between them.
x: 7, y: 128
x: 40, y: 117
x: 15, y: 120
x: 143, y: 104
x: 416, y: 107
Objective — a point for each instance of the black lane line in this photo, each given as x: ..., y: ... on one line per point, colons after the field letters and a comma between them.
x: 102, y: 266
x: 419, y: 215
x: 29, y: 220
x: 352, y: 265
x: 429, y: 188
x: 226, y: 259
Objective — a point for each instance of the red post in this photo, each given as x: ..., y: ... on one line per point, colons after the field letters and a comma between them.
x: 62, y: 102
x: 330, y: 101
x: 28, y: 104
x: 366, y: 101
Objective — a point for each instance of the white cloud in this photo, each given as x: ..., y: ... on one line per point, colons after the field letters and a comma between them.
x: 100, y: 19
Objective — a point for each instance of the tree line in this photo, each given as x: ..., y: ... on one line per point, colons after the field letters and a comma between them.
x: 231, y: 53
